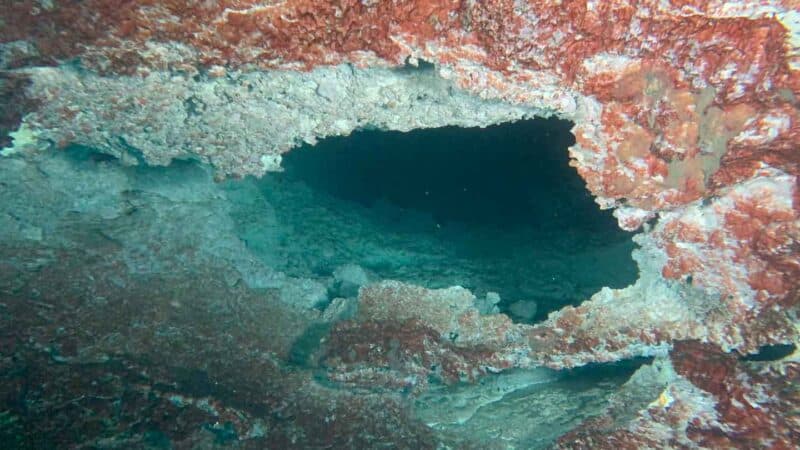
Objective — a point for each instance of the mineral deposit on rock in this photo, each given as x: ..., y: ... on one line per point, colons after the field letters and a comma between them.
x: 687, y: 122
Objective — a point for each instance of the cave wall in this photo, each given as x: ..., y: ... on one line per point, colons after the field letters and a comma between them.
x: 686, y: 118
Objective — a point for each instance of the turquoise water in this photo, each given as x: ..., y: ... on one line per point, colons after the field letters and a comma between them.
x: 493, y: 210
x: 152, y: 307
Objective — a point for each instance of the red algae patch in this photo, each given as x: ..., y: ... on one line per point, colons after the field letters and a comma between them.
x: 686, y: 122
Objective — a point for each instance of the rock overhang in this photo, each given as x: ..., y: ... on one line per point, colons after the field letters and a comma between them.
x: 686, y: 113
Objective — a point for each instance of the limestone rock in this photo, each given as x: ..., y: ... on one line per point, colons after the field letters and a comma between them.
x: 348, y: 279
x: 686, y: 122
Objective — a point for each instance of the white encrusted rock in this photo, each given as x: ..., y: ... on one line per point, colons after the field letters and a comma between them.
x: 348, y: 279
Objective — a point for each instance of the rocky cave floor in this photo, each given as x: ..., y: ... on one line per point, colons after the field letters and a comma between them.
x: 155, y: 308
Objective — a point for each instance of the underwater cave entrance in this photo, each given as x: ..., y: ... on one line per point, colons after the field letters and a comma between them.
x: 494, y: 209
x: 510, y: 175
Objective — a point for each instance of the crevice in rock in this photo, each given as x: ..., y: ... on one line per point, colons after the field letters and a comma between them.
x: 771, y: 352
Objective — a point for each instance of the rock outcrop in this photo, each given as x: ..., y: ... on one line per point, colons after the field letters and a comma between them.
x: 687, y: 122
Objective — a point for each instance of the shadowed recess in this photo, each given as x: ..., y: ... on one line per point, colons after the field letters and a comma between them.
x: 494, y: 209
x: 511, y: 175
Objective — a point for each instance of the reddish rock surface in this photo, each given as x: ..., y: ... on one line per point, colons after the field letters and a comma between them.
x: 404, y: 335
x: 684, y: 110
x: 717, y: 401
x: 92, y: 354
x: 676, y: 81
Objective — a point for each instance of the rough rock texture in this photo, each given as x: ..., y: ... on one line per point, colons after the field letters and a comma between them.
x: 710, y: 399
x: 673, y: 104
x: 644, y: 318
x: 241, y: 123
x: 135, y: 309
x: 516, y: 409
x: 95, y: 355
x: 149, y: 218
x: 404, y: 335
x: 685, y: 112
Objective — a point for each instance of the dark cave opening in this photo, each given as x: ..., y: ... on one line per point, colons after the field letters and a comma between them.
x: 495, y: 209
x: 774, y: 352
x: 510, y: 175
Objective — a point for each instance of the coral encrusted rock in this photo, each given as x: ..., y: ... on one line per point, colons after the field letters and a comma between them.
x: 709, y: 399
x: 687, y: 122
x: 403, y: 335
